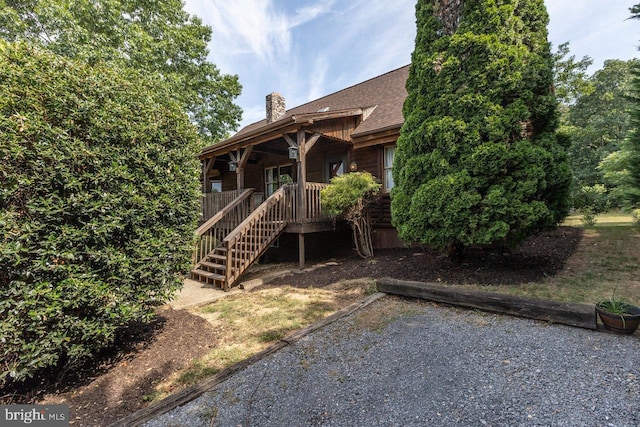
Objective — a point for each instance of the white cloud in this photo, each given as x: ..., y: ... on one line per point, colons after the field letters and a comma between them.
x: 306, y: 49
x: 317, y: 78
x: 594, y: 28
x: 257, y: 28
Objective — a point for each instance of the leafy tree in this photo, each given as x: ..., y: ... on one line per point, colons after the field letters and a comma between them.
x: 348, y: 196
x: 477, y: 161
x: 570, y: 77
x: 98, y: 202
x: 152, y: 37
x: 622, y: 168
x: 600, y: 120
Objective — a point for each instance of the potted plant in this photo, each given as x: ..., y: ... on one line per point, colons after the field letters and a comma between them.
x: 618, y: 316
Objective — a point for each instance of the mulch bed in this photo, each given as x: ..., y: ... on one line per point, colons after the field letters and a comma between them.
x: 115, y: 385
x: 540, y: 256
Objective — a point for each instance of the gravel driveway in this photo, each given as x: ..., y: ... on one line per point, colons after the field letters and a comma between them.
x: 431, y: 365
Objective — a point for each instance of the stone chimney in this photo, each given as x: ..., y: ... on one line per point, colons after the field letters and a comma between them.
x: 275, y: 107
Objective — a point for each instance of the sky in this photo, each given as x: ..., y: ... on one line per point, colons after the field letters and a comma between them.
x: 305, y: 49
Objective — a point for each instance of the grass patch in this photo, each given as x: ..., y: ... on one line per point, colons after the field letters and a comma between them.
x: 607, y: 260
x: 251, y: 321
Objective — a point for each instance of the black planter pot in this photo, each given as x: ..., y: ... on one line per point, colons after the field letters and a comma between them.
x: 620, y: 323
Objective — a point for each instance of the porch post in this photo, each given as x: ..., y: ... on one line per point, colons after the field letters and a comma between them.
x: 302, y: 176
x: 207, y: 164
x: 301, y: 255
x: 242, y: 158
x: 302, y: 193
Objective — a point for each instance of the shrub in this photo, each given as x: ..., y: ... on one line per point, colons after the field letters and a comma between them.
x: 590, y: 202
x: 99, y: 200
x: 348, y: 196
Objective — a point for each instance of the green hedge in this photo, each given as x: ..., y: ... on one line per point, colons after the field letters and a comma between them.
x: 98, y: 203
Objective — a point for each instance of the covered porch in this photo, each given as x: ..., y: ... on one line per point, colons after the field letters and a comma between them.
x: 257, y: 185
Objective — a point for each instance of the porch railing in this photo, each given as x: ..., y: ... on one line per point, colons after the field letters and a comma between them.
x: 313, y: 205
x: 230, y: 241
x: 212, y: 203
x: 215, y: 229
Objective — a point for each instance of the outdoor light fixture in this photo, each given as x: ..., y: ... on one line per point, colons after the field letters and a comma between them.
x: 353, y: 167
x: 233, y: 165
x: 293, y: 153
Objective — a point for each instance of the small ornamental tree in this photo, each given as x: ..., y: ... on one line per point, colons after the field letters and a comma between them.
x: 348, y: 196
x: 98, y: 203
x: 478, y: 161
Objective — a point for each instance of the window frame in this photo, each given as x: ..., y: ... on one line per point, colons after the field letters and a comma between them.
x: 388, y: 169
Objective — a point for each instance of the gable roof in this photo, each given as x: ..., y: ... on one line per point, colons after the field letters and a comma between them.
x: 383, y: 96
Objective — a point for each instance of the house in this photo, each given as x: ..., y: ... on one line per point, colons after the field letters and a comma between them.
x: 264, y: 182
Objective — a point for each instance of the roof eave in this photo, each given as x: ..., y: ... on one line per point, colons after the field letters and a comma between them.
x: 295, y: 121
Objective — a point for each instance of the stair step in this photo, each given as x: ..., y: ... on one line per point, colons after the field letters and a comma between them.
x: 208, y: 274
x: 212, y: 265
x: 222, y: 255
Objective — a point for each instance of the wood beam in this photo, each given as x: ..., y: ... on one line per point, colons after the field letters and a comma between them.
x: 289, y: 140
x: 302, y: 175
x: 312, y: 141
x: 271, y: 151
x: 240, y: 157
x: 243, y: 156
x: 301, y: 252
x: 573, y: 314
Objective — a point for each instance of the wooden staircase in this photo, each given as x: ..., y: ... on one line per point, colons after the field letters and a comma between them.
x: 237, y: 236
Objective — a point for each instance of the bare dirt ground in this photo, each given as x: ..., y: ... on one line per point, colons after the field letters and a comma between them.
x: 122, y: 380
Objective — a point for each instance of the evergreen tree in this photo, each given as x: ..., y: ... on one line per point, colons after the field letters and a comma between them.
x: 478, y: 161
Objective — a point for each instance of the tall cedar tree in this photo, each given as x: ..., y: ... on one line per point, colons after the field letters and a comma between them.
x: 478, y: 161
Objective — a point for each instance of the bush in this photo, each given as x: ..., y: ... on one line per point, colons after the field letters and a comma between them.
x: 348, y: 196
x: 99, y: 200
x: 590, y: 202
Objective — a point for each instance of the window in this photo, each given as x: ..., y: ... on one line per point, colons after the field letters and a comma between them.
x: 216, y: 186
x: 276, y: 177
x: 336, y: 168
x: 389, y: 152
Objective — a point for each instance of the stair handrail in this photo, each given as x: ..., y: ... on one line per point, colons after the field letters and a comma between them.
x: 209, y: 234
x: 267, y: 221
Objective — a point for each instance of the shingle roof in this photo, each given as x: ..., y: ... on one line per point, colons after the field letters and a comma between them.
x: 387, y: 92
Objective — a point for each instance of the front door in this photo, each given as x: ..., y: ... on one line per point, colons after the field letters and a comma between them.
x: 276, y: 177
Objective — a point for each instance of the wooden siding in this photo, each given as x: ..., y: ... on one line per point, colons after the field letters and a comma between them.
x: 369, y: 159
x: 381, y: 212
x: 336, y: 128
